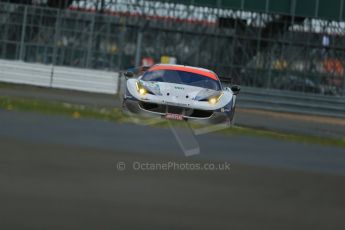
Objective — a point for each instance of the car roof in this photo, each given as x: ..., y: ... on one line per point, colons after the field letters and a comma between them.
x: 190, y: 69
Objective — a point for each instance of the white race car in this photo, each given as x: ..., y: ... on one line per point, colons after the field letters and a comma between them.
x: 181, y: 93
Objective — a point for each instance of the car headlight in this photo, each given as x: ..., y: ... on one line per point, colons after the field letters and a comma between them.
x: 214, y: 99
x: 141, y: 90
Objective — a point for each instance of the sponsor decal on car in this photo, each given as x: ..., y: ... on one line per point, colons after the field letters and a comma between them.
x: 178, y: 87
x: 173, y: 116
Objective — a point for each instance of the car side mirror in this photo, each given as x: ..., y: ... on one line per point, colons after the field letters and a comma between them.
x: 235, y: 89
x: 128, y: 74
x: 145, y: 68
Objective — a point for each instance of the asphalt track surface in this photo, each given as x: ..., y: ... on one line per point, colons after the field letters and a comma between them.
x: 60, y: 173
x: 138, y: 139
x: 57, y: 172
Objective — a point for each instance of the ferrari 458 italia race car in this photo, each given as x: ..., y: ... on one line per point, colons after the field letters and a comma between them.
x: 180, y: 93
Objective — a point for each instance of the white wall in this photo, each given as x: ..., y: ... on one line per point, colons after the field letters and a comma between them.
x: 59, y: 77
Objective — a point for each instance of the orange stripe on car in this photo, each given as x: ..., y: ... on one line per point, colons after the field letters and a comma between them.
x: 185, y: 69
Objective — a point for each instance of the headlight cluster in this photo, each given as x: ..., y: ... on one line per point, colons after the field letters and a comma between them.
x: 141, y: 90
x: 144, y: 88
x: 214, y: 99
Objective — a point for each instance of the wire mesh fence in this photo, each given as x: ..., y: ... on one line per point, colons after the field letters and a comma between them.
x: 252, y: 49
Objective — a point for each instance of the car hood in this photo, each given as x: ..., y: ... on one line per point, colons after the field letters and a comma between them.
x: 180, y: 92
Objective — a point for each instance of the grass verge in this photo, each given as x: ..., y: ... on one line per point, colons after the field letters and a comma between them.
x: 115, y: 115
x: 58, y: 108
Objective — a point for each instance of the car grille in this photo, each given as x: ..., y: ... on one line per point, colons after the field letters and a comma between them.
x: 175, y: 109
x: 163, y: 109
x: 153, y: 107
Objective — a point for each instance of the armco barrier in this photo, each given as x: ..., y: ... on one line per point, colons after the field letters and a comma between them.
x: 85, y: 80
x: 295, y: 102
x: 25, y: 73
x: 59, y: 77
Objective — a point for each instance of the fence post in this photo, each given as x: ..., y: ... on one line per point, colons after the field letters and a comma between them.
x: 22, y: 39
x: 121, y: 46
x: 51, y: 77
x: 56, y: 36
x: 269, y: 77
x: 138, y: 50
x: 343, y: 94
x: 89, y: 50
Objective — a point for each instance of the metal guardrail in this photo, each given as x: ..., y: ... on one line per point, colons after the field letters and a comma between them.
x: 59, y: 77
x: 25, y: 73
x: 294, y: 102
x: 85, y: 80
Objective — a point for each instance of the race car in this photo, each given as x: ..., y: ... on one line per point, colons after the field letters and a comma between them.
x: 180, y: 93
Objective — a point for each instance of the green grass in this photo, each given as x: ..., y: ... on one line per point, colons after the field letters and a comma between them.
x: 7, y: 85
x: 115, y: 115
x: 308, y: 139
x: 76, y: 111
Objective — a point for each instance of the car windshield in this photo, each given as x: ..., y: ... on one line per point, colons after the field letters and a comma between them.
x: 182, y: 77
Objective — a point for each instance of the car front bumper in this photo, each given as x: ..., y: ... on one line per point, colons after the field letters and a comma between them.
x: 211, y: 117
